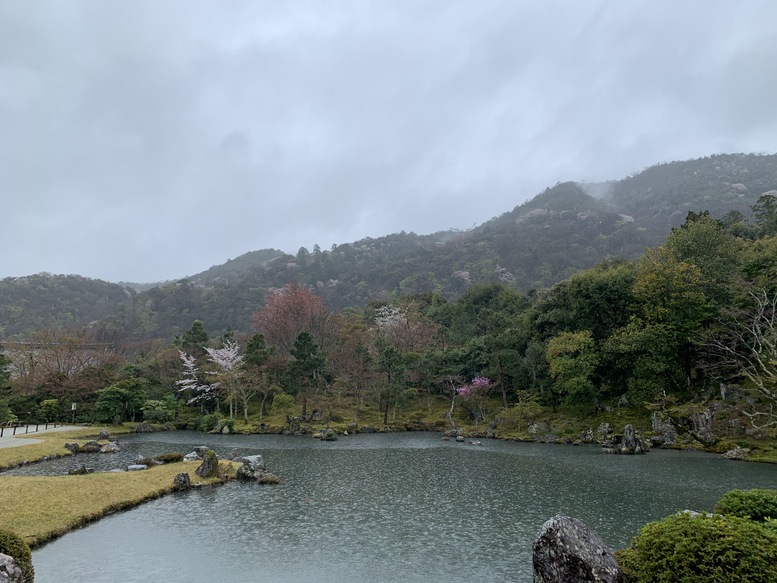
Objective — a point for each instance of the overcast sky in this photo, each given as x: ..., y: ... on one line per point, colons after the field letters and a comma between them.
x: 144, y: 141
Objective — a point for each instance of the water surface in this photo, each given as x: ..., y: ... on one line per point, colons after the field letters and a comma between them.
x: 386, y: 508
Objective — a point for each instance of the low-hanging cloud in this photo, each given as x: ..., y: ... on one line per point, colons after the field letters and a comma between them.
x: 146, y: 141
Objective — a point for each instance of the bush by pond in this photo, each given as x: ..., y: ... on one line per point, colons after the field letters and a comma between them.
x: 757, y: 504
x: 701, y: 549
x: 14, y: 546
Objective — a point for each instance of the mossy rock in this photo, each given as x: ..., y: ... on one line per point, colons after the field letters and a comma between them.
x: 14, y: 546
x: 701, y: 549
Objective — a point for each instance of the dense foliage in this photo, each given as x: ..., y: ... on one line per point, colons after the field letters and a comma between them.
x: 14, y: 546
x: 684, y: 330
x: 758, y: 504
x: 701, y: 549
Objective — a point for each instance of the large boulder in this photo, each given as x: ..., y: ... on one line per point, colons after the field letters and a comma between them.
x: 328, y: 434
x: 252, y: 469
x: 738, y: 453
x: 631, y: 444
x: 209, y: 468
x: 567, y: 551
x: 90, y: 447
x: 111, y: 447
x: 143, y: 427
x: 105, y: 435
x: 182, y: 481
x: 664, y: 429
x: 9, y: 570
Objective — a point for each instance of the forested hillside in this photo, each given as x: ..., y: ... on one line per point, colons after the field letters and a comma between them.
x: 686, y: 331
x: 568, y: 228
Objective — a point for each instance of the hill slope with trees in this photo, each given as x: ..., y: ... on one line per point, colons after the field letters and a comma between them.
x: 566, y: 229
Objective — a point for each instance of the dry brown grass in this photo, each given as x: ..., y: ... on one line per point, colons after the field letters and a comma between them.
x: 40, y: 508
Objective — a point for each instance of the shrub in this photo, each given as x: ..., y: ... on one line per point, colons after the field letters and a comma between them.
x: 701, y: 548
x: 753, y: 504
x: 14, y: 546
x: 222, y: 423
x: 146, y: 461
x: 169, y: 458
x: 209, y: 422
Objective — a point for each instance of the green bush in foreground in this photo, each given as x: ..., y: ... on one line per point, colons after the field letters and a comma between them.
x: 14, y: 546
x: 701, y: 549
x: 753, y: 504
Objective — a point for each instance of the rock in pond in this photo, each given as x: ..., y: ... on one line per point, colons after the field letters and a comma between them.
x: 111, y: 447
x: 182, y: 481
x: 209, y: 468
x: 567, y: 551
x: 90, y: 447
x: 136, y: 467
x: 252, y: 468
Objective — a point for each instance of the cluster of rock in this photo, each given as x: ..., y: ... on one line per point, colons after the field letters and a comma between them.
x: 627, y: 444
x: 326, y: 434
x: 567, y: 551
x: 738, y: 453
x: 252, y: 467
x: 94, y: 445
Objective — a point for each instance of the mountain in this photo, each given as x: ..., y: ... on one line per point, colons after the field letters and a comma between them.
x: 34, y: 302
x: 567, y: 228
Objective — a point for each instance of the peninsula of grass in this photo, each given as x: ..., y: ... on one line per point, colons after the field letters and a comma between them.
x: 44, y: 445
x: 41, y: 508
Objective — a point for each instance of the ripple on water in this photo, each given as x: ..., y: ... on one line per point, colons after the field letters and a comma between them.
x: 390, y: 508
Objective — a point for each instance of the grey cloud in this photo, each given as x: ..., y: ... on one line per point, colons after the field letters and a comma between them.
x: 151, y: 140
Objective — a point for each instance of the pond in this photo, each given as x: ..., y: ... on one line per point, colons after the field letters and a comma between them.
x: 404, y: 507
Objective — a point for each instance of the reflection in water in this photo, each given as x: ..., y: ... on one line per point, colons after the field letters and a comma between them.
x: 383, y: 508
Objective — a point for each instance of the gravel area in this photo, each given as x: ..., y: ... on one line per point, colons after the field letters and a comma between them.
x: 9, y: 440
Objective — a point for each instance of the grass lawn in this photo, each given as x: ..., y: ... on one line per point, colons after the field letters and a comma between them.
x: 39, y: 508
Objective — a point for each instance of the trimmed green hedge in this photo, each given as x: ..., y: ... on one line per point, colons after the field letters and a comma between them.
x: 14, y: 546
x: 701, y: 549
x: 753, y: 504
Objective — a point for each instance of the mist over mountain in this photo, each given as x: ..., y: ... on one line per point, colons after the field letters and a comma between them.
x: 567, y: 228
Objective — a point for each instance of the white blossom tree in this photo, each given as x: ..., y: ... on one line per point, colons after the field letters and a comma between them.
x: 230, y: 362
x: 190, y: 384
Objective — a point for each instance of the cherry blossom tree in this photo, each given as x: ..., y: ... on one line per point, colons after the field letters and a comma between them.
x: 476, y: 393
x: 229, y: 362
x: 191, y: 385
